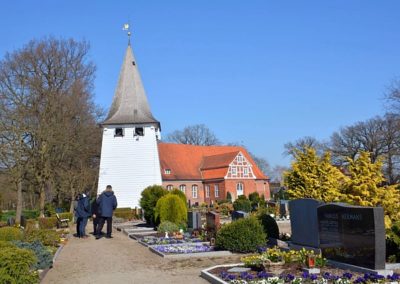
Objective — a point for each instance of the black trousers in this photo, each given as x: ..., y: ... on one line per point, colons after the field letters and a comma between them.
x: 102, y: 220
x: 78, y: 223
x: 95, y: 224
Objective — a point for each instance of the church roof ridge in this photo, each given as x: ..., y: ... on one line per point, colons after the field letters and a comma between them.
x: 130, y: 105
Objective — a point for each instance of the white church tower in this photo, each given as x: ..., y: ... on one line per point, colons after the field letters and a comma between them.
x: 129, y: 155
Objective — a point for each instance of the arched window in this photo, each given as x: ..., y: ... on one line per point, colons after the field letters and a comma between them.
x: 182, y: 188
x: 216, y: 190
x: 207, y: 191
x: 194, y: 191
x: 239, y: 189
x: 170, y: 187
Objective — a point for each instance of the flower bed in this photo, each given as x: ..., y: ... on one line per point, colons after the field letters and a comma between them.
x: 151, y: 240
x: 183, y: 248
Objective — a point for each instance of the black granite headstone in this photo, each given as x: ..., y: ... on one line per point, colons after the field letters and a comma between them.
x: 194, y: 220
x: 304, y: 222
x: 352, y: 234
x: 239, y: 214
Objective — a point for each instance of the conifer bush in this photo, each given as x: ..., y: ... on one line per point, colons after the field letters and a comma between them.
x: 43, y: 255
x: 180, y: 194
x: 167, y: 226
x: 47, y: 237
x: 10, y: 234
x: 16, y: 266
x: 243, y: 235
x: 171, y: 208
x: 242, y: 204
x: 269, y: 224
x: 148, y: 201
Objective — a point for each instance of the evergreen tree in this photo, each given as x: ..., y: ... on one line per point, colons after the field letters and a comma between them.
x: 314, y: 177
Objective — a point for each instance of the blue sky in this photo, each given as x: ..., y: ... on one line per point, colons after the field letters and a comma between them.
x: 261, y: 73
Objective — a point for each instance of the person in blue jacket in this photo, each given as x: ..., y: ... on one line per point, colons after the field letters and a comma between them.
x: 83, y: 212
x: 107, y: 204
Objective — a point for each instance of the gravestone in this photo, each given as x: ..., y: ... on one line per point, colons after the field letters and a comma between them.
x: 194, y: 220
x: 23, y: 221
x: 11, y: 221
x: 353, y: 234
x: 238, y: 215
x: 212, y: 221
x: 304, y: 222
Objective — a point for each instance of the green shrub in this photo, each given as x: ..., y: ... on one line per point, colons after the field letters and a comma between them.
x: 5, y: 244
x: 47, y: 237
x: 171, y: 208
x: 43, y: 255
x: 269, y: 224
x: 180, y: 194
x: 242, y: 204
x: 393, y: 243
x: 16, y: 266
x: 127, y: 215
x: 30, y: 214
x: 243, y: 235
x: 10, y: 234
x: 254, y: 198
x: 148, y: 202
x: 47, y: 222
x: 66, y: 215
x: 167, y: 226
x: 49, y: 210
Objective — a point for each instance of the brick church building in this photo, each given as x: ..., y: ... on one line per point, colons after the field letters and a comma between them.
x: 133, y: 157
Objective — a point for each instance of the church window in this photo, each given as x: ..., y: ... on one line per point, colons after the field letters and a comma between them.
x: 207, y: 191
x: 167, y: 171
x: 216, y: 190
x: 119, y: 132
x: 182, y: 187
x: 240, y: 158
x: 139, y: 131
x: 233, y: 170
x: 239, y: 188
x: 169, y: 187
x: 194, y: 191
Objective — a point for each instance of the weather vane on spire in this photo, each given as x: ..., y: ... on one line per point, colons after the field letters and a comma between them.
x: 127, y: 28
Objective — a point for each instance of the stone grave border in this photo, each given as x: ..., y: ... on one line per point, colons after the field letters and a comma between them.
x: 214, y: 279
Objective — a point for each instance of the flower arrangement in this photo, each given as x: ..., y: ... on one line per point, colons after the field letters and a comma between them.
x: 149, y: 240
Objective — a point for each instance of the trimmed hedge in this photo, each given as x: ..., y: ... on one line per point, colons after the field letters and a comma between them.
x: 127, y: 214
x: 47, y: 237
x: 243, y: 235
x: 48, y: 222
x: 10, y: 234
x: 16, y: 266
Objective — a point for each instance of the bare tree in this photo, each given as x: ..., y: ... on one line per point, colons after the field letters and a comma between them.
x: 302, y: 144
x: 392, y: 97
x: 46, y: 86
x: 198, y: 134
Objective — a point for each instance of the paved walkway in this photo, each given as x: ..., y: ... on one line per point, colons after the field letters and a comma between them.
x: 122, y: 260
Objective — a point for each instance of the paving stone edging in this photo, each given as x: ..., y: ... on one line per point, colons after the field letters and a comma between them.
x: 214, y: 279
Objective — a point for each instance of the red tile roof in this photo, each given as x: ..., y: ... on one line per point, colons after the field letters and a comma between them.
x: 192, y: 162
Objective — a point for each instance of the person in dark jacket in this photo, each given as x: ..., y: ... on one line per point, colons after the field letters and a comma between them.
x: 95, y: 215
x: 107, y: 204
x: 83, y: 213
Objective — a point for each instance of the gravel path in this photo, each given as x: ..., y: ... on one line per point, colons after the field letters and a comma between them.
x: 123, y: 260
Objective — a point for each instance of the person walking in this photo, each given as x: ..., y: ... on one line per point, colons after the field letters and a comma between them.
x: 107, y: 204
x: 95, y: 215
x: 83, y: 213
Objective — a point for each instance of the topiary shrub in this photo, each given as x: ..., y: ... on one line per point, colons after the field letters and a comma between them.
x: 16, y: 266
x: 242, y: 204
x: 243, y: 235
x: 47, y: 222
x: 148, y: 202
x: 47, y: 237
x: 171, y: 208
x: 167, y: 226
x: 269, y: 224
x: 10, y: 234
x: 43, y: 255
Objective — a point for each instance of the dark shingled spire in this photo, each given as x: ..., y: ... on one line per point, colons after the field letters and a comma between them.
x: 130, y: 104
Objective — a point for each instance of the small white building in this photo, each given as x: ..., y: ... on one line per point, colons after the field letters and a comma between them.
x: 129, y: 154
